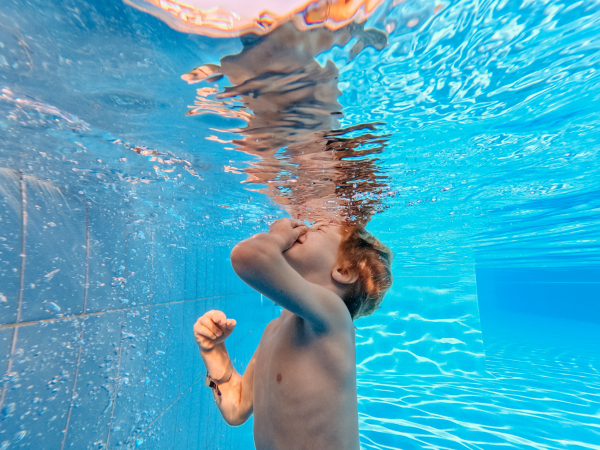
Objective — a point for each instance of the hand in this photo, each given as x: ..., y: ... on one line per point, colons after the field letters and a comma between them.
x: 287, y: 231
x: 212, y: 329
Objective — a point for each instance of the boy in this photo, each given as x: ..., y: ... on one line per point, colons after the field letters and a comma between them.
x: 301, y: 382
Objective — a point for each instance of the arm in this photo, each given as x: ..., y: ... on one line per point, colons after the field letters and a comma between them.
x: 236, y: 399
x: 260, y: 262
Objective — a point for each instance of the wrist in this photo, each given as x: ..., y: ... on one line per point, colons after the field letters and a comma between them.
x: 218, y: 348
x: 279, y: 242
x: 273, y: 239
x: 216, y: 360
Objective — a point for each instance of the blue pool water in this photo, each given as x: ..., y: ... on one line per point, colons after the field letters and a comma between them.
x: 465, y: 132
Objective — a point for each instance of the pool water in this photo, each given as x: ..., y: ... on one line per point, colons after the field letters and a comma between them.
x: 541, y: 390
x: 134, y: 156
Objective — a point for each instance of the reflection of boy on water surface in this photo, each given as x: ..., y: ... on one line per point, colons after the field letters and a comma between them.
x: 301, y: 382
x: 290, y: 104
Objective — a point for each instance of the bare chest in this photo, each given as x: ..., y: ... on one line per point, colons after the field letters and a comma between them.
x: 301, y: 381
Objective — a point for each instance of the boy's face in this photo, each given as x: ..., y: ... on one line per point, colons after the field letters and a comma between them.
x: 315, y: 253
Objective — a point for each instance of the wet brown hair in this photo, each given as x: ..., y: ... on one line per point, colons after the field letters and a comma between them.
x: 360, y: 252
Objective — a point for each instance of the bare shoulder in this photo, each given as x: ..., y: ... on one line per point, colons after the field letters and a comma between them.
x: 271, y: 326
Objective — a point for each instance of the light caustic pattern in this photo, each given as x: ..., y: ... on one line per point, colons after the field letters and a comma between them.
x: 537, y: 395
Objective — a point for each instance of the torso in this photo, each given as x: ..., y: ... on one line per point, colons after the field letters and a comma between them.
x: 305, y: 388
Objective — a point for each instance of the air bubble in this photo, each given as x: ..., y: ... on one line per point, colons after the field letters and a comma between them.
x: 9, y: 409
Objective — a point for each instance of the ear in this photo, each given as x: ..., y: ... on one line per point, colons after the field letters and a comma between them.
x: 343, y: 276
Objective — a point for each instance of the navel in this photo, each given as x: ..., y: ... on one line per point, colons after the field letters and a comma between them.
x: 279, y: 378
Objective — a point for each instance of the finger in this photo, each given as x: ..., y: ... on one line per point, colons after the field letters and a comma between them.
x: 218, y: 317
x: 208, y: 323
x: 231, y: 323
x: 300, y: 231
x: 203, y: 331
x: 215, y: 313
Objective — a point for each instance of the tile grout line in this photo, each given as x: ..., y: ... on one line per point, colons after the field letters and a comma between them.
x: 62, y: 446
x: 87, y: 257
x: 125, y: 271
x: 22, y: 255
x: 73, y: 316
x: 182, y: 333
x: 167, y: 408
x: 148, y: 340
x: 23, y: 244
x: 117, y: 380
x: 83, y: 315
x: 145, y: 387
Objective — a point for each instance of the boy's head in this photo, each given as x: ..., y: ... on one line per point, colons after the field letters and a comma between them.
x: 347, y: 259
x: 371, y: 262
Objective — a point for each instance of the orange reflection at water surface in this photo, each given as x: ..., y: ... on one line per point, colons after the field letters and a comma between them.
x: 228, y: 18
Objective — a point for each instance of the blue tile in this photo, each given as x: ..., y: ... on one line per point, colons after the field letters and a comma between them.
x: 6, y: 337
x: 209, y: 280
x: 10, y: 244
x: 217, y: 271
x: 161, y: 268
x: 224, y: 278
x: 207, y: 419
x: 40, y: 384
x: 201, y: 271
x: 164, y: 359
x: 189, y: 288
x: 178, y: 259
x: 182, y: 430
x: 188, y: 345
x: 199, y: 370
x: 161, y: 433
x: 107, y: 275
x: 128, y: 413
x: 195, y: 419
x: 138, y: 265
x: 56, y: 254
x: 174, y: 357
x: 96, y: 380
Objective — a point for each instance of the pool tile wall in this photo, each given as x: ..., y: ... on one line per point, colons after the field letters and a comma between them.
x: 96, y: 337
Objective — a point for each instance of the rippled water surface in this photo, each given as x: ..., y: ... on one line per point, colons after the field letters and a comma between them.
x: 487, y: 111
